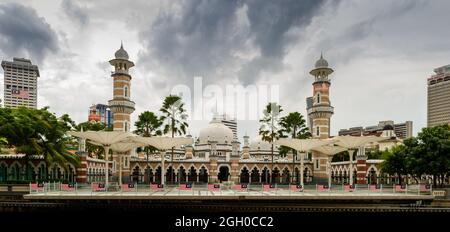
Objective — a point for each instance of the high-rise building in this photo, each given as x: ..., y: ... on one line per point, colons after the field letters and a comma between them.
x: 20, y: 83
x: 229, y: 122
x: 402, y: 130
x: 438, y: 109
x: 101, y: 113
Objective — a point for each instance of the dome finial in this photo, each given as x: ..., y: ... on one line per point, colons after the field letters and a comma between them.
x: 121, y: 44
x: 321, y: 55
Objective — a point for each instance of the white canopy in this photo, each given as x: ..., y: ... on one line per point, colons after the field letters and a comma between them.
x: 302, y: 145
x: 104, y: 138
x: 163, y: 143
x: 123, y: 146
x: 329, y: 150
x: 353, y: 142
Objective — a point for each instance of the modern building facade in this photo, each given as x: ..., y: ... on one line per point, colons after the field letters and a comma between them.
x: 101, y: 113
x: 402, y: 130
x: 20, y: 83
x: 229, y: 122
x: 438, y: 97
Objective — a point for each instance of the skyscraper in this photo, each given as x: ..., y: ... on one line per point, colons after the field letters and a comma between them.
x: 101, y: 113
x: 20, y: 84
x: 438, y: 109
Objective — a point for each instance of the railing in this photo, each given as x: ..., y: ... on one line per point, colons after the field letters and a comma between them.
x: 230, y: 188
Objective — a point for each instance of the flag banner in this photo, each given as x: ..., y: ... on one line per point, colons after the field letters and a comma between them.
x: 19, y: 93
x: 322, y: 187
x: 400, y: 188
x: 213, y: 187
x: 128, y: 187
x: 98, y: 187
x: 296, y: 187
x: 185, y: 187
x: 37, y: 186
x: 425, y: 188
x: 241, y: 187
x: 375, y: 187
x: 156, y: 187
x: 269, y: 187
x: 349, y: 188
x: 67, y: 187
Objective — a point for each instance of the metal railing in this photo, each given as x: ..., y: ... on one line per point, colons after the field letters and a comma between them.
x: 229, y: 188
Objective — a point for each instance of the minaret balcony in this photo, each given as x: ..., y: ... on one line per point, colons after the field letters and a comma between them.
x: 124, y: 104
x: 321, y: 109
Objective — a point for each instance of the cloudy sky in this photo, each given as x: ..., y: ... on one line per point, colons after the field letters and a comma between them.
x: 381, y: 51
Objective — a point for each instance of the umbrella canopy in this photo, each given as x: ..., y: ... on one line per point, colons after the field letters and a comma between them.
x: 123, y: 146
x: 103, y: 138
x: 302, y: 145
x: 329, y: 149
x: 353, y: 142
x: 162, y: 143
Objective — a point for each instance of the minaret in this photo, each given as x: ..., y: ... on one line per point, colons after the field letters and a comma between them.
x: 121, y: 106
x: 320, y: 112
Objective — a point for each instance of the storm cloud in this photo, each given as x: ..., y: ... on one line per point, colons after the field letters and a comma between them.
x: 75, y: 12
x: 201, y: 38
x: 24, y: 33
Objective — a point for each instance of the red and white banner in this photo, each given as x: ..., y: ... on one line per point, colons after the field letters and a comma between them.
x: 156, y: 187
x: 67, y: 187
x: 322, y: 187
x: 241, y: 187
x: 296, y: 188
x: 128, y: 187
x: 213, y: 187
x: 269, y: 187
x: 98, y: 187
x: 185, y: 187
x: 19, y: 93
x: 400, y: 188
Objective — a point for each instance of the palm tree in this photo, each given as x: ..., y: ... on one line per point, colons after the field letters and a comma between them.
x: 175, y: 114
x: 294, y: 124
x: 270, y: 125
x: 148, y: 125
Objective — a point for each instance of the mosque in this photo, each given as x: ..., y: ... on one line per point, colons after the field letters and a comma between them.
x: 217, y: 154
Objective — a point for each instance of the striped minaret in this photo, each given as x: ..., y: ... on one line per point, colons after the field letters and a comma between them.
x: 121, y: 106
x: 320, y: 113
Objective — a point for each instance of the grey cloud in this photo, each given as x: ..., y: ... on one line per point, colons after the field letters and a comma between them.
x: 199, y: 39
x: 24, y: 33
x: 76, y: 12
x: 203, y: 37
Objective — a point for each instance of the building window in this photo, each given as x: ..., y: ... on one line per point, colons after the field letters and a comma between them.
x: 125, y: 91
x: 317, y: 164
x: 317, y: 131
x: 125, y: 126
x: 318, y: 98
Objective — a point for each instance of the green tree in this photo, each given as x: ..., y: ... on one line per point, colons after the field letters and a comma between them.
x: 432, y: 152
x: 395, y: 162
x: 148, y: 125
x: 174, y: 116
x: 37, y: 132
x: 294, y: 125
x: 92, y: 126
x: 270, y: 125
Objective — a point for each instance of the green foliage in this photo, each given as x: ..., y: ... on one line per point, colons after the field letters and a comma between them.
x: 148, y: 125
x: 294, y: 126
x: 92, y: 126
x: 428, y: 153
x: 175, y: 114
x: 37, y: 132
x: 270, y: 124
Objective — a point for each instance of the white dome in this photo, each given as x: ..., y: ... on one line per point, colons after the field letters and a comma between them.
x: 259, y: 144
x: 216, y: 131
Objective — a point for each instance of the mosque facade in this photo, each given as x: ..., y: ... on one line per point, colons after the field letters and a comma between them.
x: 216, y: 155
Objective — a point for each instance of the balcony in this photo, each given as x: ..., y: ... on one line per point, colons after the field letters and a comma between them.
x: 321, y: 109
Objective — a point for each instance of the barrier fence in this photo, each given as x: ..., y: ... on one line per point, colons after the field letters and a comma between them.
x: 219, y: 188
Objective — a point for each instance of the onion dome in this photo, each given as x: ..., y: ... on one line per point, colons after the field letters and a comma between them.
x: 321, y: 63
x: 216, y: 131
x: 121, y: 53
